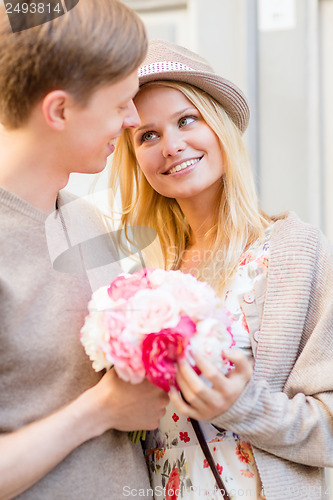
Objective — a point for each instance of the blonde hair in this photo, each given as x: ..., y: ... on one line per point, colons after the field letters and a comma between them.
x: 239, y: 222
x: 96, y: 43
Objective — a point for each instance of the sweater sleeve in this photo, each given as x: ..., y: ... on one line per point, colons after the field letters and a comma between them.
x: 293, y: 421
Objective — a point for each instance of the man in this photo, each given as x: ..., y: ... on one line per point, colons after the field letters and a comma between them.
x: 66, y: 89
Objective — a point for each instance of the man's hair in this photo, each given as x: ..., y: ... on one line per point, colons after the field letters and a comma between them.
x: 98, y: 42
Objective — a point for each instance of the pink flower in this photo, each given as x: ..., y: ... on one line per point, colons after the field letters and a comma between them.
x: 186, y: 327
x: 205, y: 464
x: 128, y: 361
x: 172, y: 490
x: 114, y: 322
x: 126, y: 286
x: 162, y: 350
x: 219, y: 468
x: 122, y: 349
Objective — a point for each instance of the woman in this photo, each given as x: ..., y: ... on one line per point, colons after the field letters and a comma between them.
x: 185, y: 172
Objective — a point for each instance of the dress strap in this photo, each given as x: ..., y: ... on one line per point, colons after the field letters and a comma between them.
x: 206, y: 451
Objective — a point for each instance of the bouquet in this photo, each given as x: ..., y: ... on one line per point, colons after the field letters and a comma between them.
x: 144, y: 323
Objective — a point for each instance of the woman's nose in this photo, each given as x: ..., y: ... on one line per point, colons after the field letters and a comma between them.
x: 172, y: 144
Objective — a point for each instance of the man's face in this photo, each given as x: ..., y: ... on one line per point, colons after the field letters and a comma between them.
x: 92, y: 131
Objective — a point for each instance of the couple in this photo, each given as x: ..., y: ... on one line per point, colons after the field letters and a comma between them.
x: 182, y: 169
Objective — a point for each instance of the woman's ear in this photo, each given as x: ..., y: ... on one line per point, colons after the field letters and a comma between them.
x: 54, y: 108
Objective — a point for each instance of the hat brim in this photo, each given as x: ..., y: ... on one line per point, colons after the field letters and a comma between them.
x: 223, y: 91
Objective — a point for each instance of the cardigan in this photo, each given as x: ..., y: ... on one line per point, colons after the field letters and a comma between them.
x: 286, y: 410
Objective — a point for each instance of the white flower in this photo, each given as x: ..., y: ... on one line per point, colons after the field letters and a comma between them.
x: 211, y: 338
x: 94, y: 336
x: 100, y: 300
x: 151, y: 311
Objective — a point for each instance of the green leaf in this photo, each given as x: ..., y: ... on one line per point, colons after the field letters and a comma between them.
x: 165, y: 466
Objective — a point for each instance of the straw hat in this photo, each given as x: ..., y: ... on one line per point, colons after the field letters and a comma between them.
x: 167, y: 61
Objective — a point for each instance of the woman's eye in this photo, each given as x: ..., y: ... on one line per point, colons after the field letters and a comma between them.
x: 186, y: 121
x: 147, y: 136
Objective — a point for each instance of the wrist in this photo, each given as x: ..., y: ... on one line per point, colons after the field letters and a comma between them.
x: 88, y: 415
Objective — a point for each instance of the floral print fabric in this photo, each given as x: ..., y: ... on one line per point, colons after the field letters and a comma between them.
x: 177, y: 466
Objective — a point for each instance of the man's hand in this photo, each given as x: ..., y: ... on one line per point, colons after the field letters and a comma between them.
x: 128, y: 407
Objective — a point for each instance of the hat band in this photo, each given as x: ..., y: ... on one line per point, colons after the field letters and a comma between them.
x: 162, y: 67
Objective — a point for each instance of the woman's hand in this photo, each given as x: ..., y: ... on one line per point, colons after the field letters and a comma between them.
x: 202, y: 402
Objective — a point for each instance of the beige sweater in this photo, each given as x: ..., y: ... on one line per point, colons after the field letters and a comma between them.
x: 286, y: 410
x: 42, y: 363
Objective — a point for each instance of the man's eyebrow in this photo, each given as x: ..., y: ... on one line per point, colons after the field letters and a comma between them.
x: 174, y: 115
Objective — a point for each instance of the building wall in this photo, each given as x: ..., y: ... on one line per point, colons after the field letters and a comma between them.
x: 326, y: 51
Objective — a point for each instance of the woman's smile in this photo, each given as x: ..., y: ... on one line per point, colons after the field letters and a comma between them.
x: 184, y: 165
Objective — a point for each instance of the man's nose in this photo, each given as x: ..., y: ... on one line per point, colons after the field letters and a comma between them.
x: 132, y: 119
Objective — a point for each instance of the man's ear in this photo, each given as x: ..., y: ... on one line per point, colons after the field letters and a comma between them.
x: 54, y: 108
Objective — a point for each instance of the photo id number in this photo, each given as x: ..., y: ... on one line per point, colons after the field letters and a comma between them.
x: 33, y: 8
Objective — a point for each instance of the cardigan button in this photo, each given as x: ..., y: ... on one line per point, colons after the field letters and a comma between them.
x: 256, y: 335
x: 249, y: 298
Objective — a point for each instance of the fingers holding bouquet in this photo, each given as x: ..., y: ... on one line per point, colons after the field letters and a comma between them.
x: 205, y: 396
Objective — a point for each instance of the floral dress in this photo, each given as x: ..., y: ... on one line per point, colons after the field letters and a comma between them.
x: 177, y: 466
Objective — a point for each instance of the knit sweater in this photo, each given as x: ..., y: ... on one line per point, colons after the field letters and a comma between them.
x: 42, y: 363
x: 286, y: 410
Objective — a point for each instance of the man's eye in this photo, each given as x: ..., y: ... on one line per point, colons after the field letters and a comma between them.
x: 186, y: 120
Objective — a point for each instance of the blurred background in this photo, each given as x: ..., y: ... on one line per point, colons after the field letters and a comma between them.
x: 280, y: 53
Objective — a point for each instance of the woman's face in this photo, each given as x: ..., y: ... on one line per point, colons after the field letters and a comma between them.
x: 178, y: 152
